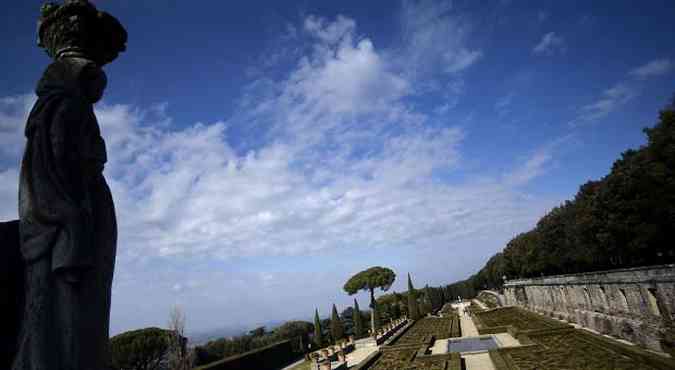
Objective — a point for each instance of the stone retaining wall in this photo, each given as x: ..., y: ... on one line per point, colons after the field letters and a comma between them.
x: 491, y: 298
x: 636, y: 304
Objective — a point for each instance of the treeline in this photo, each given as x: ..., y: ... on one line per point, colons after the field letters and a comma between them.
x: 625, y: 219
x: 296, y: 331
x: 428, y: 300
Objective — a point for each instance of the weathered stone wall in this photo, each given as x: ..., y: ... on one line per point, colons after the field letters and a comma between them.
x: 636, y: 304
x: 491, y: 298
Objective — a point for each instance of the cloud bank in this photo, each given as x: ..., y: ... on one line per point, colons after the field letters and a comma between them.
x: 330, y: 157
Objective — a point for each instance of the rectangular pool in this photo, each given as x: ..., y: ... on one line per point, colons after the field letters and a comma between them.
x: 471, y: 344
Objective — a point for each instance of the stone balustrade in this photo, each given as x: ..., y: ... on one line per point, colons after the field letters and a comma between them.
x: 636, y: 304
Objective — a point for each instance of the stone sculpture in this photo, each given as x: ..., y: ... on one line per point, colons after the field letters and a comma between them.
x: 67, y: 225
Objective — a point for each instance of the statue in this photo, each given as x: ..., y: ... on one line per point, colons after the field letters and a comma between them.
x: 67, y: 226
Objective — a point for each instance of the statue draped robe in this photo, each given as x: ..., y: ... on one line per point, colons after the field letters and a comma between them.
x: 67, y: 227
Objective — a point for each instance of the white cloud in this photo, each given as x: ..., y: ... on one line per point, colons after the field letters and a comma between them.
x: 622, y: 92
x: 331, y: 32
x: 655, y: 68
x: 550, y: 44
x: 13, y: 114
x: 460, y: 59
x: 537, y: 164
x: 611, y: 99
x: 337, y: 160
x: 435, y: 37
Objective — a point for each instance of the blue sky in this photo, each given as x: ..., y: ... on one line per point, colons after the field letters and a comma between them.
x: 261, y: 153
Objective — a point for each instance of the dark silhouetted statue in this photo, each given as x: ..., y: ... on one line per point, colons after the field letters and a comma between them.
x: 67, y: 227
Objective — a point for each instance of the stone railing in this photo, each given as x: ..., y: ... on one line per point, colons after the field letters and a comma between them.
x: 335, y: 357
x: 331, y: 357
x: 388, y: 330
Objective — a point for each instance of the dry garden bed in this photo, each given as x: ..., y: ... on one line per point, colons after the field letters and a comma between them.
x: 411, y: 350
x: 427, y: 328
x: 552, y: 345
x: 413, y: 359
x: 499, y: 320
x: 578, y: 350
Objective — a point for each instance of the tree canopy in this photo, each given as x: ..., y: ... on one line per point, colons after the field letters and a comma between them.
x: 142, y: 349
x: 318, y: 334
x: 296, y: 331
x: 357, y: 319
x: 624, y: 219
x: 369, y: 280
x: 292, y: 329
x: 337, y: 330
x: 413, y: 310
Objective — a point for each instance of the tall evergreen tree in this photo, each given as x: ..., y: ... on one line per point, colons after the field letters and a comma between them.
x: 413, y: 310
x: 358, y: 320
x: 318, y: 337
x: 429, y: 299
x: 397, y: 306
x: 370, y: 279
x: 336, y: 328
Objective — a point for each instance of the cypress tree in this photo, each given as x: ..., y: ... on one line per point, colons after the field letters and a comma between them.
x: 358, y: 320
x: 336, y: 328
x: 429, y: 300
x: 413, y: 310
x: 318, y: 338
x: 396, y: 307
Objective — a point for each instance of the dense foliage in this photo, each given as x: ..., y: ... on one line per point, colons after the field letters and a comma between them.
x: 337, y: 330
x: 271, y: 357
x: 318, y: 333
x: 357, y: 319
x: 624, y: 219
x: 143, y: 349
x: 413, y: 309
x: 297, y: 331
x: 370, y: 279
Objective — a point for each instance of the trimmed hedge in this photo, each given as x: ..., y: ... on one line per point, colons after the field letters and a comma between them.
x: 11, y: 290
x: 270, y: 357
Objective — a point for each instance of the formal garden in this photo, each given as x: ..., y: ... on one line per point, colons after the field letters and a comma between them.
x: 430, y: 328
x: 491, y: 321
x: 576, y: 349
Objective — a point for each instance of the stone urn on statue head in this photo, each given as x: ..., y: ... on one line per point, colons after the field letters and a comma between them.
x: 67, y: 223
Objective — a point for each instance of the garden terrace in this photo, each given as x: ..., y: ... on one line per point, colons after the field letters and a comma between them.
x: 447, y: 310
x: 575, y: 349
x: 428, y: 328
x: 415, y: 359
x: 513, y: 318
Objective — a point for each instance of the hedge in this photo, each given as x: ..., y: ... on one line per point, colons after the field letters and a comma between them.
x: 270, y: 357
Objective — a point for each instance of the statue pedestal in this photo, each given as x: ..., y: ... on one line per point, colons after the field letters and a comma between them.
x: 11, y: 291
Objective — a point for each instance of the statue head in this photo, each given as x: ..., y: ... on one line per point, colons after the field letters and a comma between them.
x: 77, y: 29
